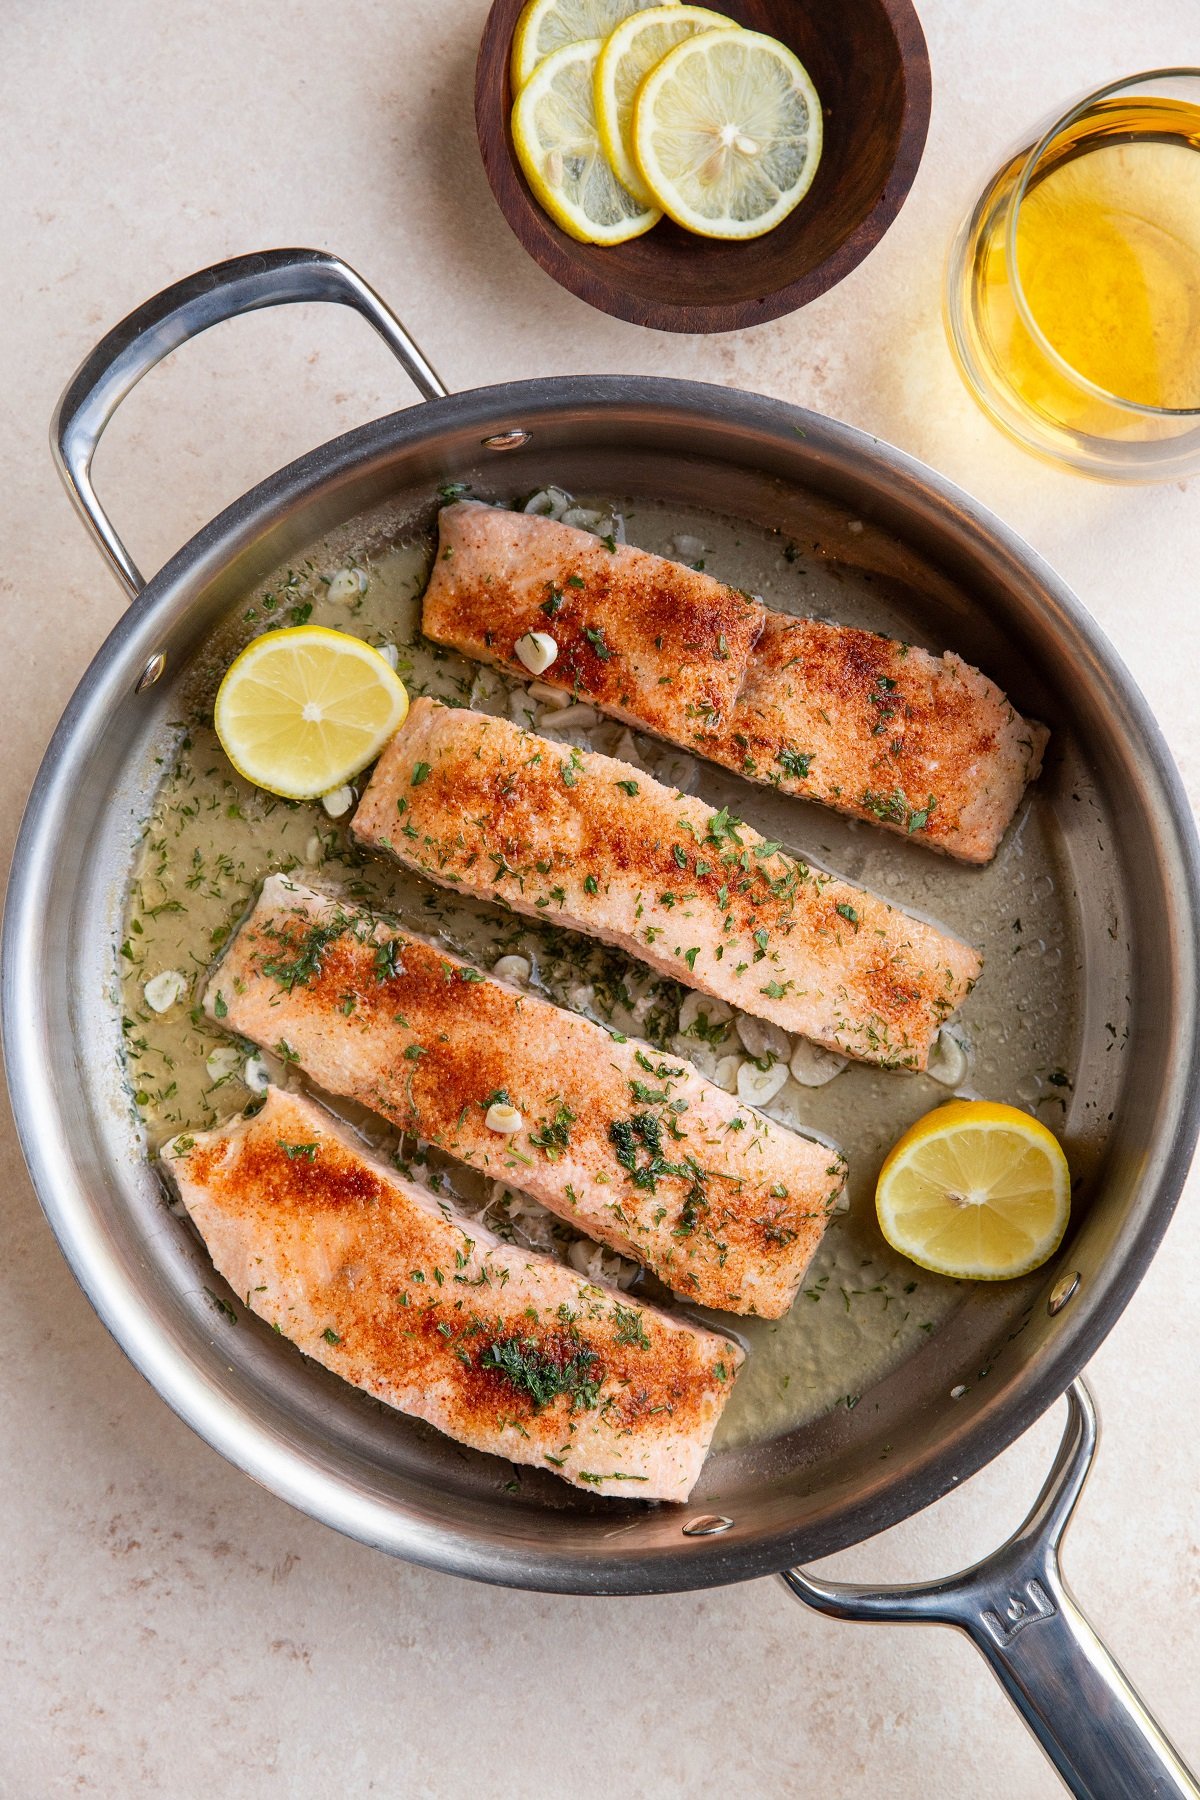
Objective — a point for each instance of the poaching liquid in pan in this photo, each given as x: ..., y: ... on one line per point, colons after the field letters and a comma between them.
x: 212, y: 837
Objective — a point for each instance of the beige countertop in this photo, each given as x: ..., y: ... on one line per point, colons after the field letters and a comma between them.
x: 166, y: 1627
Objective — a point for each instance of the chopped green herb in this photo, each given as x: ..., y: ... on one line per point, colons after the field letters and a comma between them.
x: 630, y: 1329
x: 795, y: 763
x: 536, y: 1371
x: 292, y: 1151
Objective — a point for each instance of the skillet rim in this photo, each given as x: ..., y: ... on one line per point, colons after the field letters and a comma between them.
x: 689, y: 1563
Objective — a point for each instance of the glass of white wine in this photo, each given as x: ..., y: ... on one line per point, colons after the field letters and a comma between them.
x: 1073, y: 286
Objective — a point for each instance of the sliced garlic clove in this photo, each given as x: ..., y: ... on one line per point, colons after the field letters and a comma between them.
x: 554, y: 698
x: 223, y: 1062
x: 703, y: 1016
x: 570, y: 718
x: 256, y: 1075
x: 948, y: 1059
x: 548, y: 503
x: 583, y: 518
x: 502, y: 1118
x: 338, y: 800
x: 390, y: 655
x: 758, y: 1087
x: 514, y: 969
x: 725, y: 1075
x: 162, y: 991
x: 536, y: 650
x: 488, y: 693
x: 346, y: 585
x: 702, y: 1056
x: 813, y: 1066
x: 626, y: 751
x: 763, y: 1038
x: 687, y: 549
x: 522, y: 708
x: 599, y: 1264
x: 675, y: 771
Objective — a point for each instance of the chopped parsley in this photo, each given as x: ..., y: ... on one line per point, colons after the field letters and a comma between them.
x: 555, y: 1134
x: 795, y: 763
x: 292, y: 1151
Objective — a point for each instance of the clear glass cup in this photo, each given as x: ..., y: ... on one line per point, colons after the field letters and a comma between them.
x: 1072, y: 297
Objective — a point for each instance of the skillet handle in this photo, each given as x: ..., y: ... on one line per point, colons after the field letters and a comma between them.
x: 132, y: 348
x: 1017, y: 1610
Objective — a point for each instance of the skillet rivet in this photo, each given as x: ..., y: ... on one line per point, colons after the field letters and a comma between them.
x: 708, y: 1525
x: 151, y: 672
x: 506, y: 440
x: 1062, y: 1291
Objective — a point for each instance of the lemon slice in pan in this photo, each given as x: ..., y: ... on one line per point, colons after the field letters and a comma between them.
x: 546, y: 25
x: 727, y: 133
x: 977, y: 1190
x: 631, y: 51
x: 301, y: 711
x: 558, y: 144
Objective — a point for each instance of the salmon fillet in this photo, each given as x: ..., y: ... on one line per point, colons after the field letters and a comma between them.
x: 480, y: 805
x: 500, y: 1348
x: 634, y: 1148
x: 923, y: 745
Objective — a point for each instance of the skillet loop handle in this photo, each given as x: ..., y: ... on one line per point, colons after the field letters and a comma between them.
x: 1019, y: 1613
x: 132, y: 348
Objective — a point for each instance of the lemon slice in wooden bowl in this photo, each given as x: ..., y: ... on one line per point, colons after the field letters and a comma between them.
x: 547, y: 25
x: 727, y: 133
x: 637, y: 45
x: 301, y: 711
x: 977, y: 1190
x: 557, y: 141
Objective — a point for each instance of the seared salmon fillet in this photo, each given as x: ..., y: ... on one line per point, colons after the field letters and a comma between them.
x: 634, y: 1148
x: 924, y: 745
x: 650, y: 641
x: 482, y: 806
x: 501, y: 1348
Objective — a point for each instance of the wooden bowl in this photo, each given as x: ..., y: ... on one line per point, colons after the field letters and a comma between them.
x: 869, y: 63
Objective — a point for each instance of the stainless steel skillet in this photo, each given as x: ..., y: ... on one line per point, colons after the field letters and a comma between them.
x: 995, y: 1365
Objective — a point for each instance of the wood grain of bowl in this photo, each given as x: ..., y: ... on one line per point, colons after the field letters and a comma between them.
x: 870, y: 65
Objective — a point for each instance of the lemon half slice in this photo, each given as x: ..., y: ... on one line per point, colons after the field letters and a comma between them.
x: 546, y: 25
x: 301, y: 711
x: 977, y: 1190
x: 558, y: 144
x: 727, y: 133
x: 632, y: 50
